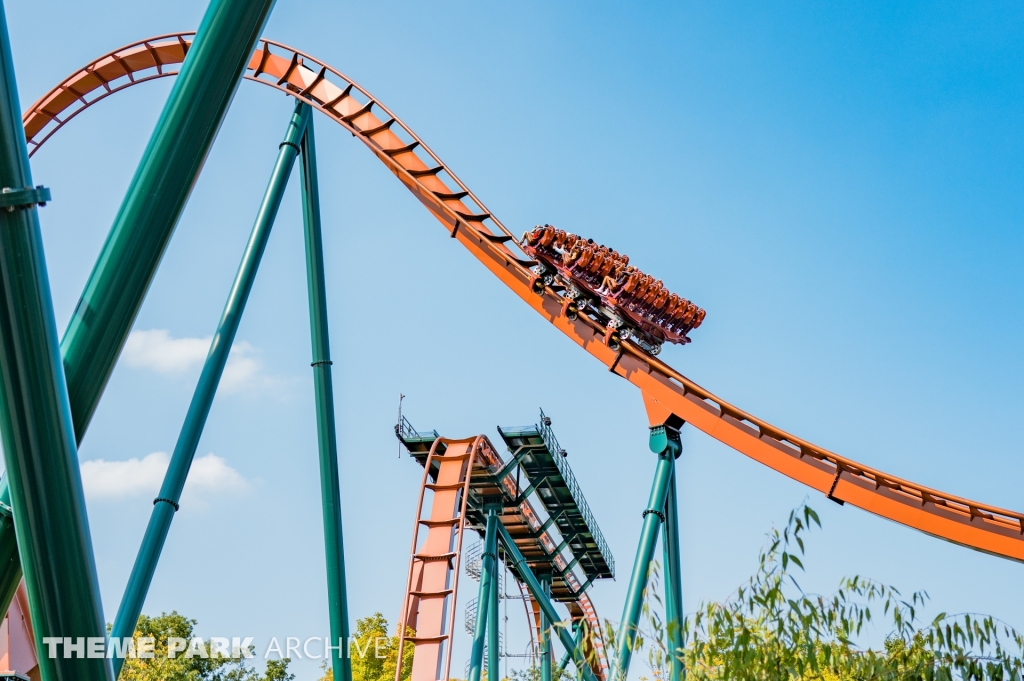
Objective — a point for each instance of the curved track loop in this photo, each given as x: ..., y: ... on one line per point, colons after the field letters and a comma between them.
x: 666, y: 391
x: 433, y: 580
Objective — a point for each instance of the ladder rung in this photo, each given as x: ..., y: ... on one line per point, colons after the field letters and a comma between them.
x: 428, y: 558
x: 496, y: 238
x: 451, y: 197
x: 444, y: 488
x: 430, y: 594
x: 401, y: 150
x: 441, y: 523
x: 428, y: 171
x: 380, y: 128
x: 470, y: 217
x: 427, y: 639
x: 356, y: 114
x: 452, y: 457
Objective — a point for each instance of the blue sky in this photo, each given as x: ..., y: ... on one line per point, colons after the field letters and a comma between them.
x: 839, y: 186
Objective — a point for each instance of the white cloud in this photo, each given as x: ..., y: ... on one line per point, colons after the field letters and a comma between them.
x: 242, y: 369
x: 212, y: 474
x: 122, y: 479
x: 155, y: 349
x: 209, y: 476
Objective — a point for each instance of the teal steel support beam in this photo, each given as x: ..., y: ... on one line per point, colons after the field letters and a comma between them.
x: 488, y: 574
x: 157, y: 195
x: 519, y: 564
x: 567, y: 657
x: 545, y: 632
x: 10, y: 562
x: 166, y: 504
x: 673, y: 583
x: 493, y: 611
x: 510, y: 467
x: 551, y: 521
x: 330, y: 489
x: 112, y: 297
x: 47, y: 500
x: 665, y: 442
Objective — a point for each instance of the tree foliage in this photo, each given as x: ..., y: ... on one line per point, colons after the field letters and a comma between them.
x: 161, y: 667
x: 374, y: 652
x: 770, y: 629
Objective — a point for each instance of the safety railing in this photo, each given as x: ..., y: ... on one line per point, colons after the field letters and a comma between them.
x: 472, y: 558
x: 551, y: 442
x: 405, y: 431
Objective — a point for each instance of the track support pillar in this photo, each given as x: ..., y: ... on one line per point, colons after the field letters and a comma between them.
x: 183, y: 136
x: 493, y: 618
x: 567, y: 657
x: 330, y: 490
x: 166, y: 504
x: 10, y: 562
x: 47, y: 501
x: 665, y: 442
x: 545, y: 631
x: 488, y: 575
x: 673, y: 583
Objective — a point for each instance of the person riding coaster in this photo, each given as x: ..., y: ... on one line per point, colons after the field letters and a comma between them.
x: 623, y: 290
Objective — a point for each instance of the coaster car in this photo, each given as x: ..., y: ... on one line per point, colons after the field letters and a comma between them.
x: 600, y: 282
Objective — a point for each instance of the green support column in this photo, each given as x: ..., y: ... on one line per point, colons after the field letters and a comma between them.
x: 166, y: 504
x: 567, y: 657
x: 673, y: 582
x: 330, y: 490
x: 488, y: 575
x: 519, y: 564
x: 665, y: 442
x: 168, y: 170
x: 47, y: 501
x: 545, y: 632
x: 194, y: 111
x: 10, y: 563
x: 493, y: 626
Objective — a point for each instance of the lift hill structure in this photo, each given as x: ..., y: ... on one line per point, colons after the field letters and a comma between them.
x: 533, y: 518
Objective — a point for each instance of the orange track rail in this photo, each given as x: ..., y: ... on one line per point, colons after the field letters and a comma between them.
x: 433, y: 582
x: 665, y: 390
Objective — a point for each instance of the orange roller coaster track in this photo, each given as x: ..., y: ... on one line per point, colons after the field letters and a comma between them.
x: 665, y: 390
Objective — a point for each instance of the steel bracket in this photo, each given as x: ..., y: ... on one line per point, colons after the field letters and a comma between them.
x: 27, y: 197
x: 665, y: 440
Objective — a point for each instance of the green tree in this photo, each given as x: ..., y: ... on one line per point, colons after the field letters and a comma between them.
x: 161, y: 667
x: 374, y: 652
x: 771, y: 630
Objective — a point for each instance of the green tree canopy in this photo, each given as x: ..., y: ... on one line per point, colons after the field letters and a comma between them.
x: 772, y: 630
x: 374, y: 652
x: 161, y: 667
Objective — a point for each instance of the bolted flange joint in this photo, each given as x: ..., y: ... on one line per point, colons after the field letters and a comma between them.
x: 496, y: 502
x: 25, y: 197
x: 665, y: 441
